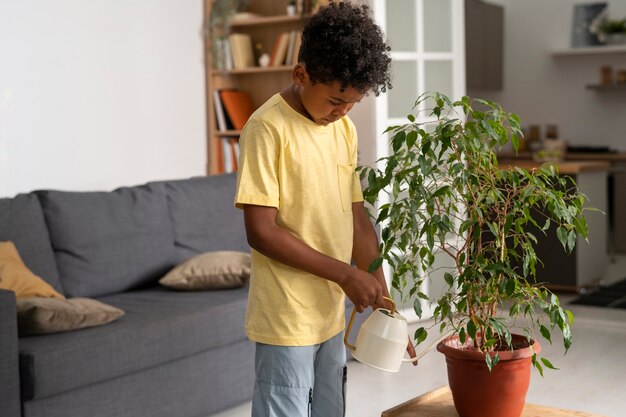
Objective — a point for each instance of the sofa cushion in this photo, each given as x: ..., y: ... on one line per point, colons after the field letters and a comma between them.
x: 16, y: 276
x: 203, y: 215
x: 22, y: 222
x: 39, y: 315
x: 159, y: 326
x: 210, y: 271
x: 108, y: 242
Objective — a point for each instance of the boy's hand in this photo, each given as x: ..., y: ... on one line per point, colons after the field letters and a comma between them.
x: 385, y: 304
x: 362, y: 289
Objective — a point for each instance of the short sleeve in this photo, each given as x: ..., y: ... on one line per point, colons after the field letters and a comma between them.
x: 357, y: 192
x: 257, y: 175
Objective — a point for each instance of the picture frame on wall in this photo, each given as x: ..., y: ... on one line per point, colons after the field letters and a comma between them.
x: 586, y: 23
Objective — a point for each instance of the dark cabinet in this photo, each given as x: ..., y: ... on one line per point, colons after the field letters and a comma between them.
x: 484, y: 39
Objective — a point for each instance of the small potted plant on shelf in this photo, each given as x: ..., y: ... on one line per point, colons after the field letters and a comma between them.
x: 217, y: 28
x: 614, y: 31
x: 447, y: 197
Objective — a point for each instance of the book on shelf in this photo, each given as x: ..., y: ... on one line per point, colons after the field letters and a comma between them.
x: 238, y: 105
x: 279, y: 52
x: 229, y: 155
x: 296, y: 48
x: 234, y: 153
x: 219, y: 156
x: 241, y: 48
x: 290, y: 46
x: 221, y: 54
x: 286, y: 48
x: 223, y: 121
x: 228, y: 55
x: 299, y: 6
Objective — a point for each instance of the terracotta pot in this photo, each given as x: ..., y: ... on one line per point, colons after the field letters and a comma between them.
x: 477, y: 392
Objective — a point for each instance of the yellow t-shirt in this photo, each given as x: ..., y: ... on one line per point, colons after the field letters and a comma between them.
x: 307, y: 172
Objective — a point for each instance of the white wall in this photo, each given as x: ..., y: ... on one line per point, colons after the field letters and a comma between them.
x: 100, y: 93
x: 543, y: 89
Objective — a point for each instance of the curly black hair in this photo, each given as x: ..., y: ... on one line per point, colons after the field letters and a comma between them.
x: 342, y: 43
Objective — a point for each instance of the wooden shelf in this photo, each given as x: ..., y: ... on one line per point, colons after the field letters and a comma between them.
x: 266, y: 20
x: 252, y: 70
x: 591, y: 50
x: 611, y: 88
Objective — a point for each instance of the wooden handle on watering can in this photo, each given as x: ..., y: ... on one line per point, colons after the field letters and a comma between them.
x: 345, y: 337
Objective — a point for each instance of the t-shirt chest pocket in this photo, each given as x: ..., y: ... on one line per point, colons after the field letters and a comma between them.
x: 345, y: 173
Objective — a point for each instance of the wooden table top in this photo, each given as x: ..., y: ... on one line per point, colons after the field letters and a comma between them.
x: 438, y: 403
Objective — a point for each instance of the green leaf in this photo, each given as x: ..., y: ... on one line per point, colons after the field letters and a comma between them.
x: 545, y: 333
x: 398, y: 139
x: 375, y: 265
x: 548, y: 364
x: 420, y: 335
x: 537, y: 365
x: 423, y: 296
x: 442, y: 327
x: 561, y: 234
x: 510, y: 286
x: 471, y: 329
x: 571, y: 240
x: 491, y: 361
x: 417, y: 307
x: 411, y: 138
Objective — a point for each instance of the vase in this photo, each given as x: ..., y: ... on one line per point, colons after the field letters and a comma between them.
x: 479, y: 393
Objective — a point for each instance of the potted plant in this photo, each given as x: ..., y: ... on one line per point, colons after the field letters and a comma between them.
x: 614, y: 31
x: 448, y: 197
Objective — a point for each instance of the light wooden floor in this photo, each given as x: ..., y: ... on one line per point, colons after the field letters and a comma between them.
x: 592, y: 376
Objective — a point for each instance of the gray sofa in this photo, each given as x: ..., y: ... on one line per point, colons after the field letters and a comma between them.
x: 173, y: 354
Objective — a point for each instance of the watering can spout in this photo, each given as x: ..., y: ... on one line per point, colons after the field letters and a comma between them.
x: 382, y: 340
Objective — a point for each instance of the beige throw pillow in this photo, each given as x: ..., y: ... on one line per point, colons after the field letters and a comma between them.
x: 16, y: 277
x: 210, y: 271
x: 50, y: 315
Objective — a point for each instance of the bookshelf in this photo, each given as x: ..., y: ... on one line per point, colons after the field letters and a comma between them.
x: 264, y: 21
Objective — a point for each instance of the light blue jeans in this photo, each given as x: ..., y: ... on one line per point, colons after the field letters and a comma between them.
x: 300, y: 381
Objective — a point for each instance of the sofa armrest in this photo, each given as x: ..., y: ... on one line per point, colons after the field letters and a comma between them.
x: 9, y: 360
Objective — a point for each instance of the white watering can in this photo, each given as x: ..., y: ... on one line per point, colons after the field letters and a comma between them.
x: 382, y: 340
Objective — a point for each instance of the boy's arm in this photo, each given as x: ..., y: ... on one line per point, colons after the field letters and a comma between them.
x: 365, y: 244
x: 268, y: 238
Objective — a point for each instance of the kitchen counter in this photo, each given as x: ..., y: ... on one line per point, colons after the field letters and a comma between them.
x: 572, y: 156
x: 563, y: 167
x: 616, y: 184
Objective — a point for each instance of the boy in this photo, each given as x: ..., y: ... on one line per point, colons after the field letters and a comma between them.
x: 305, y: 219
